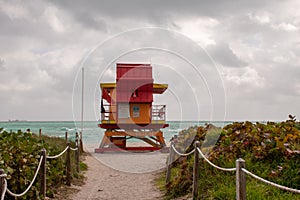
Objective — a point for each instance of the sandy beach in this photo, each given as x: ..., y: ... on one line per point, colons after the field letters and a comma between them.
x: 121, y: 176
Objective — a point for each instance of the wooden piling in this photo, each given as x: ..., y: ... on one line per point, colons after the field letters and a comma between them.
x: 81, y: 143
x: 240, y: 180
x: 169, y: 165
x: 66, y: 136
x: 2, y: 179
x: 77, y: 155
x: 196, y: 170
x: 68, y: 161
x: 43, y: 174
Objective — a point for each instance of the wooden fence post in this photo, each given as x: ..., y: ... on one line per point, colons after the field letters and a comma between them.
x: 196, y: 170
x: 40, y: 133
x: 68, y: 157
x: 1, y: 182
x: 169, y: 165
x: 81, y: 144
x: 240, y: 180
x: 78, y: 142
x: 77, y: 136
x: 66, y: 136
x: 43, y: 174
x: 77, y: 155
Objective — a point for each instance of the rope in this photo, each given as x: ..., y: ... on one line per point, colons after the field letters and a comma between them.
x: 4, y: 191
x: 36, y: 173
x: 53, y: 157
x: 74, y: 149
x: 182, y: 154
x: 270, y: 183
x: 212, y: 164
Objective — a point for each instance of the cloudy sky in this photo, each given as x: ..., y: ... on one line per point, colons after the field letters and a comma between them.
x: 251, y: 70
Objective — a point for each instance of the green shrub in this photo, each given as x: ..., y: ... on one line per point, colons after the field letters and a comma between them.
x: 19, y: 157
x: 271, y: 151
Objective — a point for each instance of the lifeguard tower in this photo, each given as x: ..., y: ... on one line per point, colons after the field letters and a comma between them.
x: 127, y: 110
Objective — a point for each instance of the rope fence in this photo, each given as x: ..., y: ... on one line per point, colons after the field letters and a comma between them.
x: 42, y: 169
x: 212, y: 164
x: 240, y: 170
x: 3, y: 181
x: 182, y: 154
x: 74, y: 149
x: 4, y: 190
x: 58, y: 155
x: 31, y: 183
x: 271, y: 183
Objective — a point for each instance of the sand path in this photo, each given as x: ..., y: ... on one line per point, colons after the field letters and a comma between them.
x: 103, y: 182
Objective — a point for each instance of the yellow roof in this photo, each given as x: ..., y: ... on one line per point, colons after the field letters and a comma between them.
x: 107, y: 85
x: 159, y: 88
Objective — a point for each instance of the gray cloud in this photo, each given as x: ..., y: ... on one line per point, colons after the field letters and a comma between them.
x: 224, y: 55
x: 2, y: 64
x: 160, y: 9
x: 44, y: 42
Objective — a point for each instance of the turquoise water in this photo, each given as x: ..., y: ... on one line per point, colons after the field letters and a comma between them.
x: 91, y: 132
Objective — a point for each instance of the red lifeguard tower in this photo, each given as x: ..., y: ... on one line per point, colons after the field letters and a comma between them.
x: 127, y: 110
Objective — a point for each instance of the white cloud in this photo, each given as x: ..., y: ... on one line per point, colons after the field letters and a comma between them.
x: 247, y: 75
x: 199, y: 29
x: 286, y: 27
x: 262, y: 17
x: 51, y: 17
x: 109, y: 74
x: 14, y: 11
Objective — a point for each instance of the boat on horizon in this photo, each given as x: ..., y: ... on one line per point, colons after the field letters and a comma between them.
x: 16, y: 120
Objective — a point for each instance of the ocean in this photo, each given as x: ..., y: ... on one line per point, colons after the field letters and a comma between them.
x: 129, y: 162
x: 92, y: 134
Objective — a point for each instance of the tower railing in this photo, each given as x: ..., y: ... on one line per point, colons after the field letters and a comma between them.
x: 108, y: 112
x: 158, y: 114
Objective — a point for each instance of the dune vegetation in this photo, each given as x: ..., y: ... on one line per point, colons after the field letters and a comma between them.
x: 19, y: 157
x: 271, y: 150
